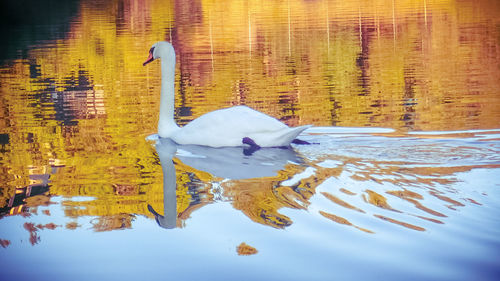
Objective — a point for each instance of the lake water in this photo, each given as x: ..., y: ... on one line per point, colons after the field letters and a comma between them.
x: 401, y: 181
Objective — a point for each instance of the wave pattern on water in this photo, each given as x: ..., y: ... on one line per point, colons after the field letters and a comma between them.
x: 405, y: 180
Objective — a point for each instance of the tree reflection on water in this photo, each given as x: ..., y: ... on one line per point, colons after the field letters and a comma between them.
x: 77, y: 107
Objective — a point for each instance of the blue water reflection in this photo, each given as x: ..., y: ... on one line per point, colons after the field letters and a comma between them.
x: 443, y: 185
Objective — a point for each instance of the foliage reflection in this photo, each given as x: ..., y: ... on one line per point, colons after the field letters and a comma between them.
x: 77, y: 107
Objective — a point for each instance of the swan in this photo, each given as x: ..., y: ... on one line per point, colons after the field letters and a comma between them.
x: 230, y: 127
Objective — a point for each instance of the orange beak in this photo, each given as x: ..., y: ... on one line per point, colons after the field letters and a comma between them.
x: 150, y: 57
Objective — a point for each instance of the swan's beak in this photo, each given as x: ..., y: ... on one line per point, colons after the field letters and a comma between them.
x: 149, y: 59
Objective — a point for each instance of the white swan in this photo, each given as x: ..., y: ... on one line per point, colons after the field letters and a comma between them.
x: 233, y: 126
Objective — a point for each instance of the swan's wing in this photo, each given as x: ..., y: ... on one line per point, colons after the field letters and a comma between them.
x: 227, y: 127
x: 239, y: 118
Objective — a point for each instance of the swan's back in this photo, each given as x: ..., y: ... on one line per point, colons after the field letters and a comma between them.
x: 228, y: 127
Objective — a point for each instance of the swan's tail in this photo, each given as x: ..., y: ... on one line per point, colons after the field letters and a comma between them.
x: 293, y: 133
x: 279, y: 138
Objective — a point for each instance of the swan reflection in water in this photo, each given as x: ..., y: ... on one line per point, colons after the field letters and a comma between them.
x: 234, y: 163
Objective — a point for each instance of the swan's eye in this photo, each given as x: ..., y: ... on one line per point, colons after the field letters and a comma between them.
x: 151, y: 50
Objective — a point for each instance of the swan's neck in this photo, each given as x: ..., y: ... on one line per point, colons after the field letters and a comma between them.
x: 166, y: 123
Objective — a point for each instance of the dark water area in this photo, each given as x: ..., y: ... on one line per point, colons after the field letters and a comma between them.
x: 25, y: 24
x: 401, y: 181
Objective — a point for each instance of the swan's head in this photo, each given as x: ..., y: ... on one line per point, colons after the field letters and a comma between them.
x: 163, y: 50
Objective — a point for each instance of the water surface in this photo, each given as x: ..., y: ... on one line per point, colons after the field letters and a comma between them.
x: 401, y: 181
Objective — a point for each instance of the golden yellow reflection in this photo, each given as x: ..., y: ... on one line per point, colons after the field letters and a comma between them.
x: 377, y: 200
x: 77, y: 110
x: 246, y: 250
x: 342, y: 220
x: 340, y: 202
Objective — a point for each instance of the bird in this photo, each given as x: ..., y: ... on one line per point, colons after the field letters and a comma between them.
x: 229, y: 127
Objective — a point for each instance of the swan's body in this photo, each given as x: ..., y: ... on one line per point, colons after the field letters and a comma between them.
x: 228, y: 127
x: 220, y: 128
